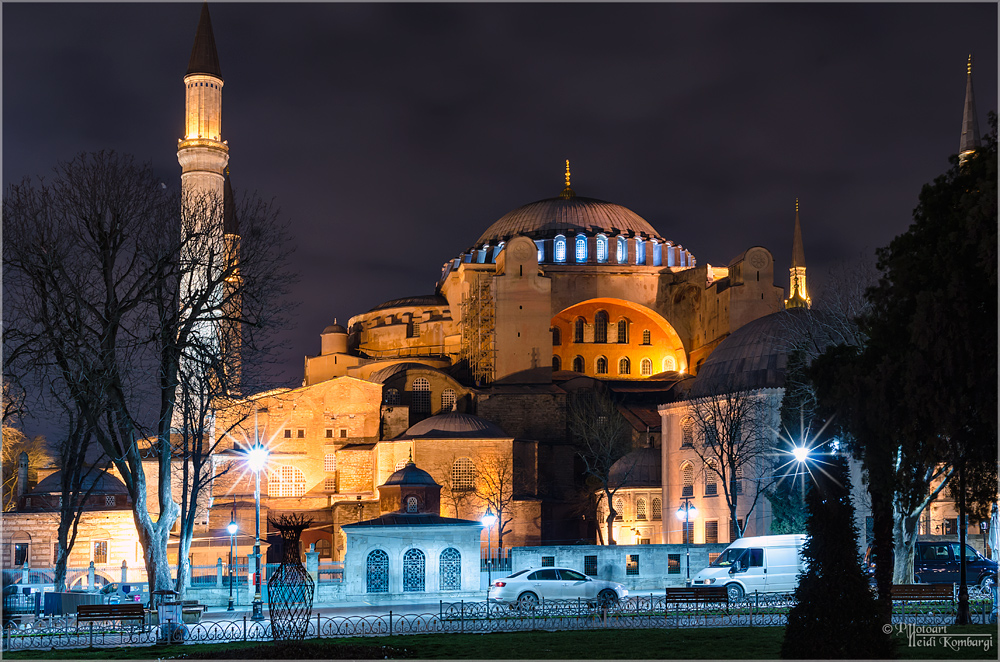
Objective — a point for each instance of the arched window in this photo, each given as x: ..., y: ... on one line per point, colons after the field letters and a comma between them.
x: 657, y: 254
x: 285, y: 481
x: 581, y: 248
x: 559, y: 248
x: 451, y: 570
x: 640, y: 509
x: 646, y: 368
x: 578, y: 325
x: 640, y: 251
x: 657, y: 508
x: 323, y: 548
x: 448, y: 399
x: 412, y: 504
x: 540, y: 245
x: 578, y: 364
x: 711, y: 485
x: 392, y: 396
x: 421, y: 402
x: 619, y: 509
x: 687, y: 473
x: 463, y: 474
x: 601, y: 326
x: 624, y: 366
x: 556, y: 364
x: 647, y: 337
x: 377, y: 572
x: 623, y: 331
x: 556, y: 337
x: 413, y: 570
x: 687, y: 432
x: 602, y: 365
x: 602, y: 248
x: 622, y: 253
x: 669, y: 364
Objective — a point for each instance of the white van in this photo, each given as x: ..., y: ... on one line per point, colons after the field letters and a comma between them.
x: 766, y: 564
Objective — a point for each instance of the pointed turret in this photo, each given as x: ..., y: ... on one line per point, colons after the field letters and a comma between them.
x: 204, y: 57
x: 970, y: 123
x: 798, y: 296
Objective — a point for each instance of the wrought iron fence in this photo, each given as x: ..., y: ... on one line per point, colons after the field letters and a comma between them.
x: 638, y: 612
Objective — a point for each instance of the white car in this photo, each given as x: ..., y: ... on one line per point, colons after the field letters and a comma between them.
x: 526, y: 587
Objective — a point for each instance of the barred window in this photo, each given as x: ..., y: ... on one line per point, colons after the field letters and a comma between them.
x: 300, y: 434
x: 602, y: 365
x: 421, y: 396
x: 687, y: 432
x: 413, y: 570
x: 329, y: 433
x: 624, y: 366
x: 400, y: 465
x: 286, y: 481
x: 330, y: 462
x: 412, y: 505
x: 109, y: 500
x: 738, y: 480
x: 556, y: 337
x: 621, y: 255
x: 330, y: 485
x: 463, y: 474
x: 448, y: 399
x: 623, y: 331
x: 687, y: 471
x: 619, y: 509
x: 712, y: 531
x: 646, y: 368
x: 100, y: 551
x: 451, y: 570
x: 646, y: 337
x: 673, y: 564
x: 632, y: 565
x: 578, y: 364
x: 548, y: 561
x: 657, y: 508
x: 578, y: 330
x: 640, y: 509
x: 590, y: 565
x: 288, y: 434
x: 711, y: 486
x: 556, y: 363
x: 377, y: 572
x: 560, y: 248
x: 581, y: 248
x: 601, y: 327
x: 392, y: 396
x: 669, y: 364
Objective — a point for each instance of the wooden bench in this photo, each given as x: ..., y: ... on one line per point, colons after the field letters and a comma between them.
x: 697, y: 597
x: 191, y: 611
x: 921, y: 592
x: 108, y: 613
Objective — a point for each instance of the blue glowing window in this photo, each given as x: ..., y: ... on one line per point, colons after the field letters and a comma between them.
x: 657, y: 255
x: 622, y: 250
x: 602, y: 248
x: 560, y: 248
x: 581, y: 248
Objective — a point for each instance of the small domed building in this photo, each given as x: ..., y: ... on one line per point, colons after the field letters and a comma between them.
x: 638, y: 499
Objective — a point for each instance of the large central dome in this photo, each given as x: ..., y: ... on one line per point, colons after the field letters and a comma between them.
x: 546, y: 218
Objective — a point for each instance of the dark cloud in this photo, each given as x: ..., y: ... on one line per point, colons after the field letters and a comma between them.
x: 392, y: 136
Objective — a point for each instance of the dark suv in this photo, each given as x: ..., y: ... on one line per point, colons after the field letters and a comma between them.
x: 938, y: 562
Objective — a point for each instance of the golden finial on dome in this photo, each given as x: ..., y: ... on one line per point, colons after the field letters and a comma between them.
x: 567, y: 192
x: 796, y: 205
x: 968, y: 68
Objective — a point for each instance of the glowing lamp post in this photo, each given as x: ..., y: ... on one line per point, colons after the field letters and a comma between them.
x: 256, y: 459
x: 232, y: 528
x: 489, y: 519
x: 686, y: 513
x: 800, y: 453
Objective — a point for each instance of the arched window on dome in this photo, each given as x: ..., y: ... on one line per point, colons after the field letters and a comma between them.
x: 623, y: 331
x: 421, y: 396
x: 392, y: 396
x: 540, y: 245
x: 624, y: 366
x: 669, y: 364
x: 463, y: 475
x: 622, y: 253
x: 482, y: 253
x: 578, y: 364
x: 448, y: 400
x: 556, y: 336
x: 578, y: 325
x: 412, y: 504
x: 602, y: 248
x: 657, y: 254
x: 619, y: 509
x: 640, y: 509
x: 646, y: 368
x: 556, y: 363
x: 602, y: 365
x: 581, y: 248
x: 601, y: 326
x: 640, y: 250
x: 559, y: 248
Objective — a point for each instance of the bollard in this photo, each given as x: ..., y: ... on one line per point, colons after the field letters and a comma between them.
x: 318, y: 624
x: 92, y: 634
x: 244, y: 627
x: 390, y: 622
x: 461, y: 618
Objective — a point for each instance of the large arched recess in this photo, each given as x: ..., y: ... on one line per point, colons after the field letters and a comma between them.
x: 664, y: 346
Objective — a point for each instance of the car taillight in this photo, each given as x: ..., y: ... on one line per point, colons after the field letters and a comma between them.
x: 499, y: 584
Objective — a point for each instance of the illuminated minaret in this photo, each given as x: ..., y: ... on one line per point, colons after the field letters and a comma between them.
x: 798, y: 295
x: 969, y: 142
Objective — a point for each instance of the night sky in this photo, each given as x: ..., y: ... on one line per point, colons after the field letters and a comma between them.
x: 392, y: 136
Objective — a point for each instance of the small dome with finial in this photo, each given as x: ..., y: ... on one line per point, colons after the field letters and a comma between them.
x: 567, y: 192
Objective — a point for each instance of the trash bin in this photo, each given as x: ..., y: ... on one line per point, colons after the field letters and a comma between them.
x: 170, y: 615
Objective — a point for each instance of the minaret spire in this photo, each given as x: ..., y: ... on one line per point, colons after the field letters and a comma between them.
x: 204, y: 57
x: 567, y: 192
x: 969, y: 142
x: 798, y: 296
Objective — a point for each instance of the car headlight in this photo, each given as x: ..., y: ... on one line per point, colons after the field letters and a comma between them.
x: 711, y: 580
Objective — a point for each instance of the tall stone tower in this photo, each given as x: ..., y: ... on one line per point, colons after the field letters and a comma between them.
x: 969, y: 142
x: 798, y: 295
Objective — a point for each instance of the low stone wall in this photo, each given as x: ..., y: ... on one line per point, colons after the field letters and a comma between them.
x: 653, y: 570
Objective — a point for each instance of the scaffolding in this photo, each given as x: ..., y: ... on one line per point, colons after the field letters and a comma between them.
x: 478, y: 328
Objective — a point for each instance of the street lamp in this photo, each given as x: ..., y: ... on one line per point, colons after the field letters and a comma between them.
x: 800, y: 453
x: 256, y: 459
x: 232, y: 542
x: 686, y: 513
x: 489, y: 519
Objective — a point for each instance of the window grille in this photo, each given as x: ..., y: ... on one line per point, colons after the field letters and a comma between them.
x: 590, y: 565
x: 413, y: 571
x: 421, y: 396
x: 330, y: 462
x: 687, y: 432
x: 377, y: 572
x: 688, y: 532
x: 560, y: 248
x: 286, y: 481
x: 640, y: 251
x: 415, y: 333
x: 619, y: 509
x: 624, y: 366
x: 673, y: 564
x: 548, y: 561
x: 448, y: 399
x: 100, y: 551
x: 556, y: 340
x: 669, y: 364
x: 601, y: 327
x: 623, y: 331
x: 622, y: 253
x: 451, y: 570
x: 647, y: 337
x: 578, y: 364
x: 712, y: 531
x: 21, y: 553
x: 392, y: 396
x: 711, y: 486
x: 581, y: 248
x: 688, y: 472
x: 640, y: 509
x: 632, y: 566
x: 412, y: 505
x: 463, y: 474
x: 657, y: 509
x: 556, y: 364
x: 602, y: 248
x: 109, y: 500
x: 602, y: 366
x: 646, y: 368
x: 578, y: 330
x: 738, y: 480
x: 330, y: 484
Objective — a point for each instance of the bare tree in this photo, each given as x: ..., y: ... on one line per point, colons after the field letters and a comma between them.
x: 731, y: 430
x: 603, y: 437
x: 116, y: 281
x: 495, y: 489
x: 18, y: 448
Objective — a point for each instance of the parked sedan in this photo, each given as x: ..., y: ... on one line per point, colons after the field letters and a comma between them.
x: 526, y: 587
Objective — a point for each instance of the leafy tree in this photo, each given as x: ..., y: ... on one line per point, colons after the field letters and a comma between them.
x: 835, y: 615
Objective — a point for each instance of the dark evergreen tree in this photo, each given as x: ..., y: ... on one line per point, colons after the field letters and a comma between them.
x: 835, y: 615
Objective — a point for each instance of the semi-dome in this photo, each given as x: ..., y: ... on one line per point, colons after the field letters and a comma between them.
x: 454, y: 425
x: 381, y: 375
x: 96, y: 482
x: 412, y: 302
x: 547, y: 218
x: 640, y: 468
x: 410, y: 474
x: 334, y: 328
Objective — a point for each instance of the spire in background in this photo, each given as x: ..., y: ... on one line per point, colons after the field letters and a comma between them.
x: 970, y: 123
x: 798, y: 254
x: 798, y: 296
x: 204, y: 57
x: 567, y: 192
